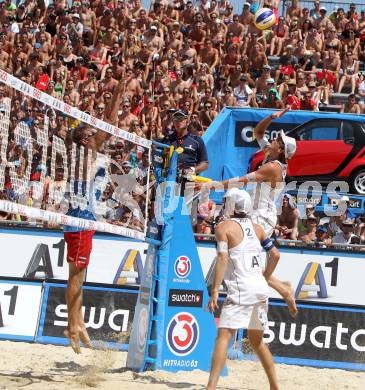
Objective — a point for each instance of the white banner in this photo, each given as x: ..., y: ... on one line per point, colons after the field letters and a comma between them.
x: 120, y: 260
x: 19, y: 309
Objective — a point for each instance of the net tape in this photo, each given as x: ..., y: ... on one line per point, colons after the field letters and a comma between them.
x: 66, y: 200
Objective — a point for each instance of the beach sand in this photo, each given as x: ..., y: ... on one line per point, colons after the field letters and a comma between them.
x: 48, y: 367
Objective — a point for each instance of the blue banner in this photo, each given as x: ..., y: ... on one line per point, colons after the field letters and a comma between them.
x: 230, y: 137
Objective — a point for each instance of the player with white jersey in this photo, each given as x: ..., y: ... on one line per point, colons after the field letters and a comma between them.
x: 239, y: 244
x: 269, y: 182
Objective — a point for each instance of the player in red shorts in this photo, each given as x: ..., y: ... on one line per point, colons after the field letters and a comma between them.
x: 79, y: 241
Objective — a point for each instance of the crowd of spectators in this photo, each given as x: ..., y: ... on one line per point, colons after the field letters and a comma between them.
x: 197, y: 56
x: 179, y: 54
x: 343, y: 228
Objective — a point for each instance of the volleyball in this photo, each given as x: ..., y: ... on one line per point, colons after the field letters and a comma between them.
x: 264, y: 18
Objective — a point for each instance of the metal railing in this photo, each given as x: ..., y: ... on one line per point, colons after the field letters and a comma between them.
x: 297, y: 243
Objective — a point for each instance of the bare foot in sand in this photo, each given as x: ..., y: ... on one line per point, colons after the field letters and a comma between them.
x: 84, y: 337
x: 290, y: 300
x: 74, y: 340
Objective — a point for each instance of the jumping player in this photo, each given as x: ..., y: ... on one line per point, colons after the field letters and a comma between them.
x: 269, y: 180
x: 79, y: 241
x: 239, y: 244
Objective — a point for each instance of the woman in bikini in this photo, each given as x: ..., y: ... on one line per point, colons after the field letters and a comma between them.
x: 280, y: 33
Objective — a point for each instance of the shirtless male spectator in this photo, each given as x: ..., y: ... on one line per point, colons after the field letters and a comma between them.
x: 108, y: 83
x: 88, y: 20
x: 132, y: 86
x: 187, y: 55
x: 341, y: 21
x: 125, y: 118
x: 209, y: 55
x: 351, y: 106
x: 287, y: 223
x: 257, y: 61
x: 295, y: 10
x: 237, y: 28
x: 323, y: 23
x: 197, y: 35
x: 154, y: 42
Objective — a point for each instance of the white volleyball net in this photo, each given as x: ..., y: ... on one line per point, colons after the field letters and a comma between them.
x: 62, y: 166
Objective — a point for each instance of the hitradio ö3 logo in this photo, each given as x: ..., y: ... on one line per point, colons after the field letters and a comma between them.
x: 182, y: 266
x: 182, y: 334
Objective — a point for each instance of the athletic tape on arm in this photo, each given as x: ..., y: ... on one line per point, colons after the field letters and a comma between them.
x: 222, y: 247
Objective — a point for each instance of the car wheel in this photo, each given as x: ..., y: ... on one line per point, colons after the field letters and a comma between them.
x: 357, y: 182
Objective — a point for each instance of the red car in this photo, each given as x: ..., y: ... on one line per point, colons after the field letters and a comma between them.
x: 327, y: 150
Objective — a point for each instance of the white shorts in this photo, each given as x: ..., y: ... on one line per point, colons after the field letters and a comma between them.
x: 244, y: 316
x: 267, y: 224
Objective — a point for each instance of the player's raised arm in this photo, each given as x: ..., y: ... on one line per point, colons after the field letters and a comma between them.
x: 259, y: 130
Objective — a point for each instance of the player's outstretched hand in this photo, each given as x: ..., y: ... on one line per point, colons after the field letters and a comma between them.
x: 208, y: 185
x: 279, y: 114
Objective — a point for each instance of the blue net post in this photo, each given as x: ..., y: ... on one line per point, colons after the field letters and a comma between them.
x: 180, y: 333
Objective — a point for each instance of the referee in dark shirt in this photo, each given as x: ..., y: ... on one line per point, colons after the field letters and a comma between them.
x: 192, y: 153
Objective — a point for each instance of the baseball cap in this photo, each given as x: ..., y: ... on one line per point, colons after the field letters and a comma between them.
x: 270, y: 81
x: 76, y: 16
x: 323, y: 9
x: 267, y: 67
x: 322, y: 229
x: 247, y: 4
x: 126, y: 164
x: 348, y: 222
x: 180, y: 114
x: 309, y: 206
x: 153, y: 28
x: 241, y: 200
x: 312, y: 84
x: 290, y: 145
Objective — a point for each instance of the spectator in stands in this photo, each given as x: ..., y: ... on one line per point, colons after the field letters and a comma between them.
x: 344, y: 213
x: 322, y: 238
x: 346, y: 233
x: 206, y: 212
x: 351, y: 106
x: 287, y: 223
x: 243, y: 93
x: 310, y: 227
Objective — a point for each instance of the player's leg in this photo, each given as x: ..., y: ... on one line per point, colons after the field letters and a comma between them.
x: 286, y: 290
x: 219, y: 355
x: 79, y: 245
x: 74, y: 304
x: 264, y: 354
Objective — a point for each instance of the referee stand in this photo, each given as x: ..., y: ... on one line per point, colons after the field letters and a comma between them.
x: 172, y: 330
